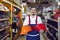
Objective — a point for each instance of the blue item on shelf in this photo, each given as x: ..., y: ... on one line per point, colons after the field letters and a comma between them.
x: 15, y: 19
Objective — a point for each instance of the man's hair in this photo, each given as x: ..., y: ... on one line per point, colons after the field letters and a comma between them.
x: 32, y: 7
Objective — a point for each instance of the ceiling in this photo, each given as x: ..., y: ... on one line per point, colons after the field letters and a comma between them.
x: 39, y: 2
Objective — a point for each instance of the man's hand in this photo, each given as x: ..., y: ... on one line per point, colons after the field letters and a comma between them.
x: 41, y: 31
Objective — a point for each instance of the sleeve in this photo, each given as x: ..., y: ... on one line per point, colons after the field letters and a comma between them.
x: 39, y: 20
x: 41, y: 26
x: 25, y: 21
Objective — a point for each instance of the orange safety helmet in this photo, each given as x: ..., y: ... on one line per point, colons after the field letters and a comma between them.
x: 25, y: 30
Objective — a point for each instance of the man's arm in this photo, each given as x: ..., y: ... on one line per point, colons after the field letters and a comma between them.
x: 39, y: 20
x: 26, y: 21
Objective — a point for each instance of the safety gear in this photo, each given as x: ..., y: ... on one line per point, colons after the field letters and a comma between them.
x: 25, y: 30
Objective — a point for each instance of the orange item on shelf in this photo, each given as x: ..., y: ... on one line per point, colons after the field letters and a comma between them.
x: 25, y: 30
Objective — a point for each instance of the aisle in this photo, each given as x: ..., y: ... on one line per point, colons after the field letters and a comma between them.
x: 21, y: 38
x: 41, y: 37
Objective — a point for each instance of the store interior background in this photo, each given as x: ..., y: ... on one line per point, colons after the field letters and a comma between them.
x: 46, y: 9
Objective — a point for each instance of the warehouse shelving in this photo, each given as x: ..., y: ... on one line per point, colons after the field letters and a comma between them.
x: 5, y: 37
x: 4, y: 19
x: 52, y: 29
x: 10, y: 5
x: 3, y: 30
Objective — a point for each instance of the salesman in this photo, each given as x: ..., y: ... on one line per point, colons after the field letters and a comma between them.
x: 32, y: 20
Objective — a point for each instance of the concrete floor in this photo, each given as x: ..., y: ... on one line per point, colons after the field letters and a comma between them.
x: 24, y: 38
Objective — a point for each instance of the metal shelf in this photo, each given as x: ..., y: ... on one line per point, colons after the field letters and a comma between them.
x: 4, y: 10
x: 52, y: 27
x: 50, y: 35
x: 4, y: 19
x: 5, y: 36
x: 53, y: 20
x: 4, y: 28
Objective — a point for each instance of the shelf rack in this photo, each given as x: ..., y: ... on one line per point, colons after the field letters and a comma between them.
x: 10, y: 5
x: 52, y: 26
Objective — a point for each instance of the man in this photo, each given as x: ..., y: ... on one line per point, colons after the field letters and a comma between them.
x: 32, y: 21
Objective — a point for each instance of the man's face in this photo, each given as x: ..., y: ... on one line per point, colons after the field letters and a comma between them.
x: 33, y: 11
